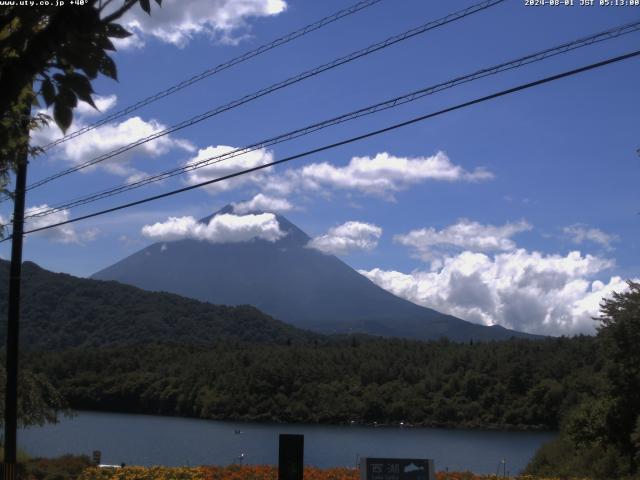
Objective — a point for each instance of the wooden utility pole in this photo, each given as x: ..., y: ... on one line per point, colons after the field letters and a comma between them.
x: 13, y: 323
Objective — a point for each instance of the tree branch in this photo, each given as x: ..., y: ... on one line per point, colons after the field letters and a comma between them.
x: 119, y: 12
x: 105, y: 4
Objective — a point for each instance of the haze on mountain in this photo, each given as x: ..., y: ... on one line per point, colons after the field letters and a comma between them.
x: 291, y: 282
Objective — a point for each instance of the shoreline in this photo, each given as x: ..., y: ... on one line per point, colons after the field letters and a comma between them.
x: 404, y: 425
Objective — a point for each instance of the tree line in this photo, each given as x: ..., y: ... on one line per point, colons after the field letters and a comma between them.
x: 520, y: 384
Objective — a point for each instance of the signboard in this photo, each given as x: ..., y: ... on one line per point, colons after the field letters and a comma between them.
x: 396, y: 469
x: 291, y: 457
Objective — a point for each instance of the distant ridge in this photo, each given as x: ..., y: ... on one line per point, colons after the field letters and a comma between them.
x: 60, y: 311
x: 290, y: 282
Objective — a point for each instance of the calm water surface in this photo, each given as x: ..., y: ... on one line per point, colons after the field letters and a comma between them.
x: 154, y: 440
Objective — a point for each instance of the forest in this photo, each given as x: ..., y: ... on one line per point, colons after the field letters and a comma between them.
x: 524, y: 384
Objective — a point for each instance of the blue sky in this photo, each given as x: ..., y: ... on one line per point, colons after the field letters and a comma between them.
x: 521, y: 211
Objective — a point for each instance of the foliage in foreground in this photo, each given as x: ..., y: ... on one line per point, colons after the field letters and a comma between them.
x: 254, y: 472
x: 38, y: 401
x: 66, y: 467
x: 52, y: 51
x: 562, y: 459
x: 601, y: 436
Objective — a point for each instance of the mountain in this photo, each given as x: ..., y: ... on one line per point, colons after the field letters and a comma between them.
x: 291, y: 282
x: 61, y: 311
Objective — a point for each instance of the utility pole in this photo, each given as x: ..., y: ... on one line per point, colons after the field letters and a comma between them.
x: 13, y: 323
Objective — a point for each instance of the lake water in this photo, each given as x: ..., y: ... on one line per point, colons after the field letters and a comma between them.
x: 155, y: 440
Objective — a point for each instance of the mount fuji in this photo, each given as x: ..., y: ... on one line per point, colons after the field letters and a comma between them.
x: 291, y: 282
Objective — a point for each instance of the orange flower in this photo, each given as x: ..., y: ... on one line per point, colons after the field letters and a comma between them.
x: 251, y: 472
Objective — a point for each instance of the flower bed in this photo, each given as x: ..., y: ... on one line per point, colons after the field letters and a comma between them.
x: 251, y: 472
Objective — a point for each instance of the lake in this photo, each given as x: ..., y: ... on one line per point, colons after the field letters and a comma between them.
x: 155, y: 440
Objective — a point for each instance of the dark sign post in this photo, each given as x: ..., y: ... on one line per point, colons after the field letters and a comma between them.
x: 396, y: 469
x: 291, y: 457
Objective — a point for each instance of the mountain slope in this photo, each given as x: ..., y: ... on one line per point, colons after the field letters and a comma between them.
x: 61, y: 311
x: 291, y: 282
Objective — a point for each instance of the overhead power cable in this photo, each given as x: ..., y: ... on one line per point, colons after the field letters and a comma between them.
x: 387, y: 104
x: 277, y: 86
x: 344, y: 142
x: 218, y: 68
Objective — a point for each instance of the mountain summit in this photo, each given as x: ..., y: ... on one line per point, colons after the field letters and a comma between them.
x: 291, y: 282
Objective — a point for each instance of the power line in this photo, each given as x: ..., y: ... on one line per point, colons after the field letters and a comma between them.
x: 219, y: 68
x: 277, y: 86
x: 345, y: 142
x: 400, y: 100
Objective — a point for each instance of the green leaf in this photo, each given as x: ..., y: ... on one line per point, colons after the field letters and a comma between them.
x: 90, y: 66
x: 105, y: 43
x: 81, y: 86
x: 107, y: 66
x: 66, y: 96
x: 62, y: 114
x: 87, y: 98
x: 145, y: 6
x: 48, y: 92
x: 116, y: 31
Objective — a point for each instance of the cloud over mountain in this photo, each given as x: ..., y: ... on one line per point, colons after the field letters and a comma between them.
x: 262, y: 202
x: 223, y: 228
x: 347, y: 238
x: 527, y: 291
x: 465, y: 234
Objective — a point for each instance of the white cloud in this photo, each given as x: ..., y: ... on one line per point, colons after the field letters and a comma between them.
x: 347, y: 238
x: 132, y: 42
x: 109, y: 137
x: 580, y: 233
x: 4, y: 229
x: 104, y: 104
x: 130, y: 242
x: 381, y: 175
x: 263, y: 203
x: 527, y: 291
x: 226, y: 166
x: 61, y: 234
x: 465, y: 234
x: 179, y: 21
x: 223, y: 228
x: 90, y: 235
